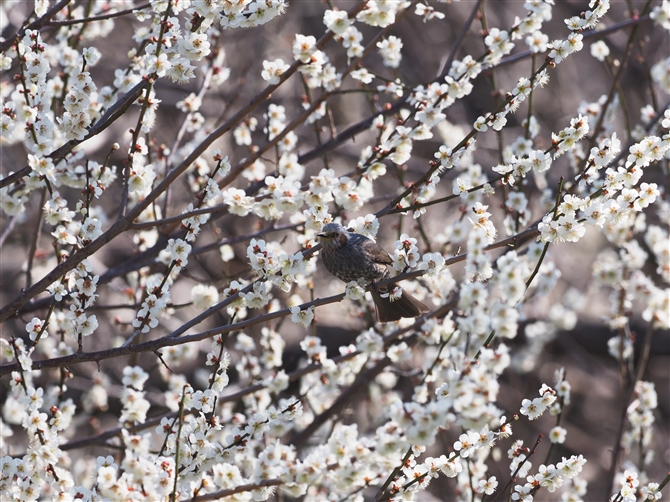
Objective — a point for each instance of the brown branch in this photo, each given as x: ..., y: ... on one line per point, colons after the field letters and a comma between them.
x: 102, y: 17
x: 174, y: 338
x: 159, y: 343
x: 220, y: 208
x: 238, y: 489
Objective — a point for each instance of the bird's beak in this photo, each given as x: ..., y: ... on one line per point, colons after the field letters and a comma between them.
x: 322, y: 235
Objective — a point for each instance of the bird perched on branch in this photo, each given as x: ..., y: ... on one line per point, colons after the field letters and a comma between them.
x: 350, y: 257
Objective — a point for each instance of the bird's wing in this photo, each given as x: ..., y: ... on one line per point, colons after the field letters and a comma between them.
x: 373, y: 250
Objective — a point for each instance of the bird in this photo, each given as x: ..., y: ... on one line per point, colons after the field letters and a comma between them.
x: 351, y: 257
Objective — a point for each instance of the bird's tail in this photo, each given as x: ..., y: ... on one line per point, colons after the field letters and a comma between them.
x: 405, y: 306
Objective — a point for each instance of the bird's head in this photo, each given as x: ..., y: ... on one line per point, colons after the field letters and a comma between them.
x: 333, y: 235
